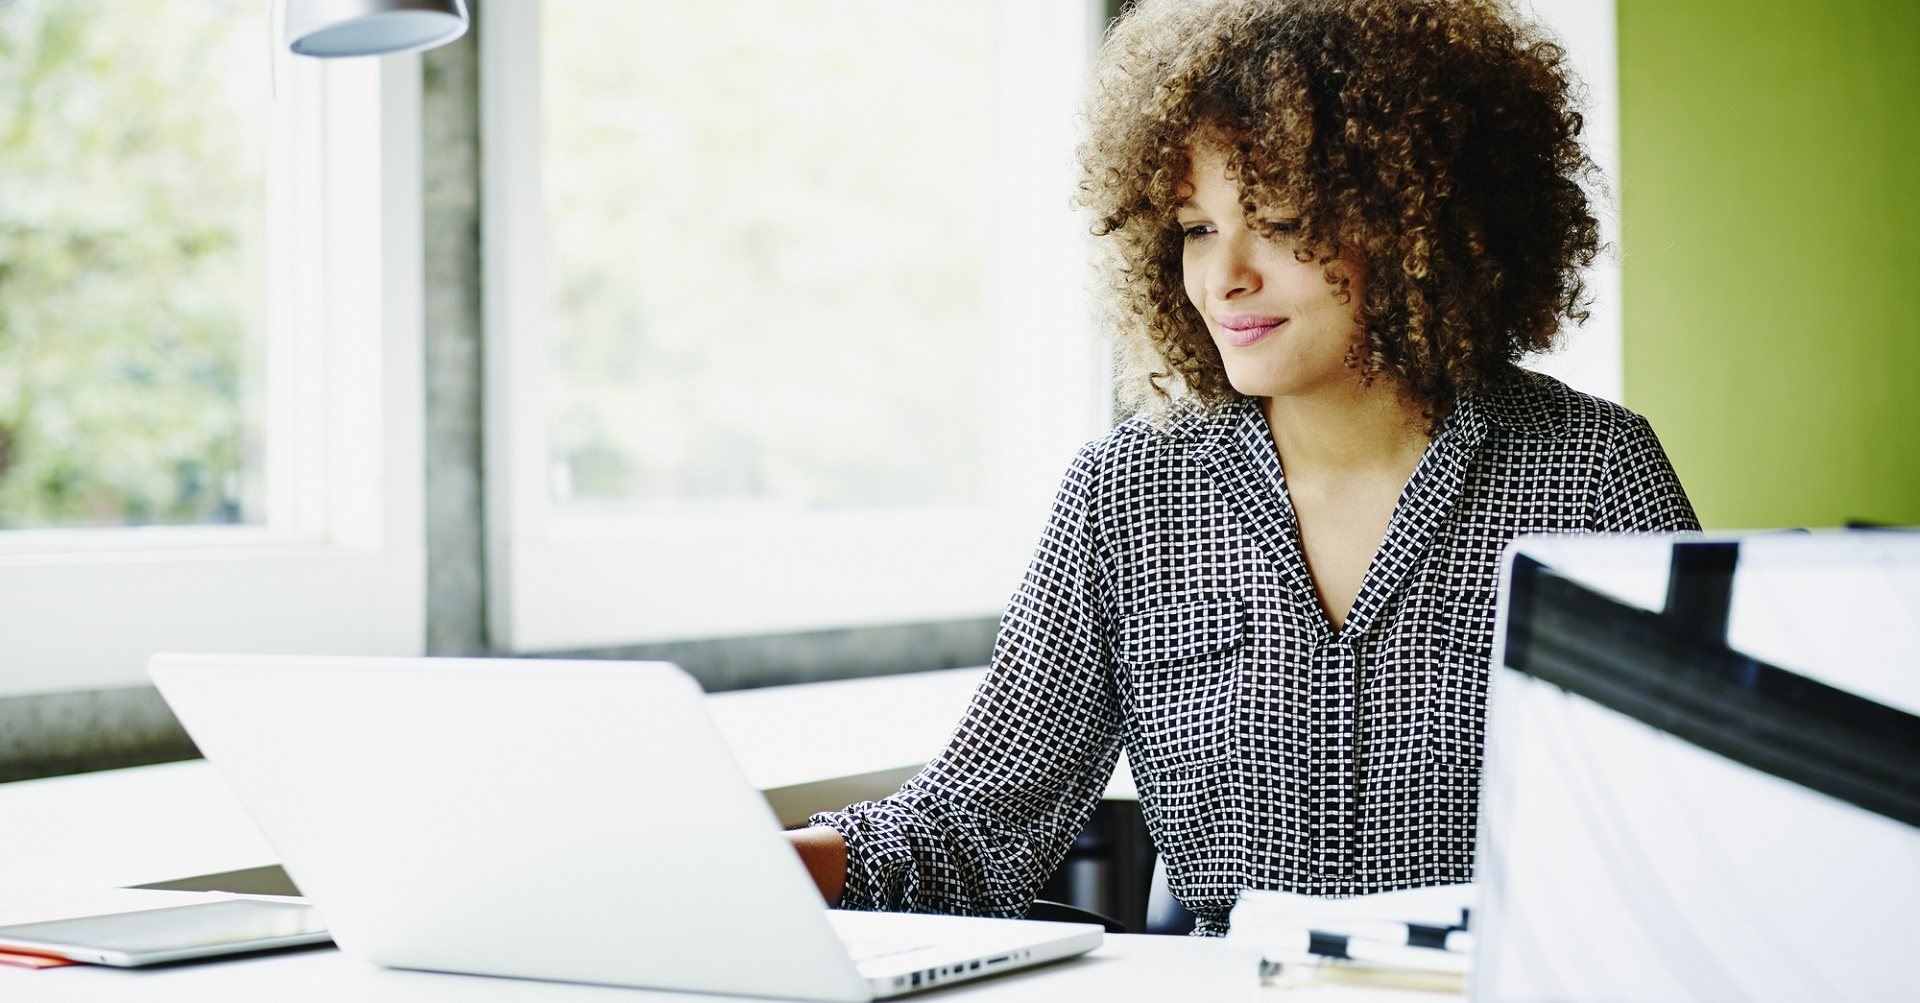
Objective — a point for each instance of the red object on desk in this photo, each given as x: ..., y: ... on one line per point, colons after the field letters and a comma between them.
x: 13, y: 960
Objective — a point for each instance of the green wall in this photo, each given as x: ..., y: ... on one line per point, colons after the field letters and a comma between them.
x: 1770, y: 189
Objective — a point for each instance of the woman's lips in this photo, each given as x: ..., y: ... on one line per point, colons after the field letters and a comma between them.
x: 1241, y: 337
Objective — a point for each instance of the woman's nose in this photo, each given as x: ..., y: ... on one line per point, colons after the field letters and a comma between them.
x: 1232, y: 272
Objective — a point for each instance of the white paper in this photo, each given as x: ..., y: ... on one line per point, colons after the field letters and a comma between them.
x: 1619, y: 862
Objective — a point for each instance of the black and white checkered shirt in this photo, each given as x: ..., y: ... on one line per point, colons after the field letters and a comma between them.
x: 1169, y: 612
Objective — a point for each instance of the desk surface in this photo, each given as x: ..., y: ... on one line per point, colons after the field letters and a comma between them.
x: 161, y: 823
x: 1124, y: 968
x: 1182, y: 970
x: 79, y: 830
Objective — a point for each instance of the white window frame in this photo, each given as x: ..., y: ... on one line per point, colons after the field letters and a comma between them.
x: 339, y: 566
x: 1590, y: 358
x: 573, y: 583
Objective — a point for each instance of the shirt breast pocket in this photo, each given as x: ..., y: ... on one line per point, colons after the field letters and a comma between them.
x: 1181, y: 662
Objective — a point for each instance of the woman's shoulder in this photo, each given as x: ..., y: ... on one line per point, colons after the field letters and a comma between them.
x: 1534, y: 406
x: 1590, y: 446
x: 1185, y: 422
x: 1161, y: 444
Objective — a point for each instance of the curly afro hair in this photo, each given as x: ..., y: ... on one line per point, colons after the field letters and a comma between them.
x: 1436, y: 141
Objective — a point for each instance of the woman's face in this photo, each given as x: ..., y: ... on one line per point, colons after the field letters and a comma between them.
x: 1280, y: 327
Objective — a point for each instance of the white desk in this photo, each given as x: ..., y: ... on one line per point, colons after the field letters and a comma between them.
x: 1175, y: 969
x: 126, y: 827
x: 159, y: 823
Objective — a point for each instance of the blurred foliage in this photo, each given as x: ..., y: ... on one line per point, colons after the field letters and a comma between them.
x: 769, y: 235
x: 132, y: 228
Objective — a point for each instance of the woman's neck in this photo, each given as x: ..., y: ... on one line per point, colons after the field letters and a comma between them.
x: 1346, y: 429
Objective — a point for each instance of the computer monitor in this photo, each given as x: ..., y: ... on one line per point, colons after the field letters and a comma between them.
x: 1702, y: 777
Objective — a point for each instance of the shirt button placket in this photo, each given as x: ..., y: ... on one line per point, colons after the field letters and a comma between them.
x: 1335, y: 781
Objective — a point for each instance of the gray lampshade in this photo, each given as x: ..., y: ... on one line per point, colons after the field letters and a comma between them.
x: 371, y: 27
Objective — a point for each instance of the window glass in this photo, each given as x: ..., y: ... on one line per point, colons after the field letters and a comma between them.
x: 133, y: 153
x: 768, y: 239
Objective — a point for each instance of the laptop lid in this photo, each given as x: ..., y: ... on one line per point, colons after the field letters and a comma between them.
x: 578, y: 821
x: 1700, y: 775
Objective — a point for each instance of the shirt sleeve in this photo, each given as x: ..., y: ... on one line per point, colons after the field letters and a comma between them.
x: 979, y: 830
x: 1639, y: 491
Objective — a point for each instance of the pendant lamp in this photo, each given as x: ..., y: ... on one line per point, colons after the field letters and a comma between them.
x: 371, y: 27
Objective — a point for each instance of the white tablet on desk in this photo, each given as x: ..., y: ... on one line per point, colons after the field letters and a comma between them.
x: 177, y: 933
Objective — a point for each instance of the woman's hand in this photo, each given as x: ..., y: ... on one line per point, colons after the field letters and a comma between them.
x: 825, y: 854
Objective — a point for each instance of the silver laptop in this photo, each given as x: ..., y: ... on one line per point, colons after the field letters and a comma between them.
x: 578, y: 821
x: 1701, y: 763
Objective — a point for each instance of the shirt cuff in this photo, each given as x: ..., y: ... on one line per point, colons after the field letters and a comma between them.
x: 873, y: 850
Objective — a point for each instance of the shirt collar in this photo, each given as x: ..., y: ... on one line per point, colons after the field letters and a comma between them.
x: 1243, y: 425
x: 1519, y: 405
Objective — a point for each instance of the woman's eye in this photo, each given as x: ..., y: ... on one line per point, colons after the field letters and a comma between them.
x: 1196, y: 230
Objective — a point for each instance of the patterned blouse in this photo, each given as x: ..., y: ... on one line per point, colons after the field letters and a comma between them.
x: 1169, y: 611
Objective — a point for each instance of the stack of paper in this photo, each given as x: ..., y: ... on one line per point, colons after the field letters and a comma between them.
x: 1413, y: 939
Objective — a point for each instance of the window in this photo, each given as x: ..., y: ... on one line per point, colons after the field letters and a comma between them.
x: 787, y: 316
x: 135, y: 316
x: 1590, y: 361
x: 209, y: 386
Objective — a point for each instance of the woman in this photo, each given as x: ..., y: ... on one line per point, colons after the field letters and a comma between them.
x: 1335, y: 226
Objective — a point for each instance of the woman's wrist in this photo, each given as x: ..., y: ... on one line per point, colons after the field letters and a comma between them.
x: 824, y: 852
